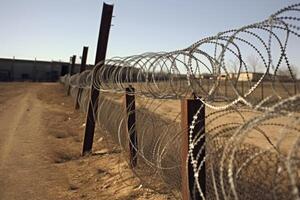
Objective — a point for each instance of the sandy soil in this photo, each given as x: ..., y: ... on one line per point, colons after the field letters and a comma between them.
x: 170, y: 109
x: 40, y: 145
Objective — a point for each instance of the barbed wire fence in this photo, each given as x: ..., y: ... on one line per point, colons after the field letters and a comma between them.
x: 251, y: 140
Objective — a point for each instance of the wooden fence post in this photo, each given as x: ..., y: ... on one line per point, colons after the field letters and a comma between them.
x: 82, y: 68
x: 100, y: 56
x: 189, y: 108
x: 131, y: 125
x: 71, y: 72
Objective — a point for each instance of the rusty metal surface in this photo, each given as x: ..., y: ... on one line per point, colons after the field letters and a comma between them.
x: 131, y: 122
x: 71, y: 71
x: 82, y: 68
x: 100, y: 56
x: 252, y: 136
x: 192, y: 130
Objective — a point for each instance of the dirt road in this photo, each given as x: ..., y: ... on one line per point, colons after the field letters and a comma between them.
x: 25, y: 172
x: 40, y: 144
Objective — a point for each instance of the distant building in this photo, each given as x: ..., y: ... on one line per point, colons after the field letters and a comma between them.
x: 205, y: 76
x: 32, y: 70
x: 255, y: 76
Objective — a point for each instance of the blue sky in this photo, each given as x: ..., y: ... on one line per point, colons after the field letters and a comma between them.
x: 57, y: 29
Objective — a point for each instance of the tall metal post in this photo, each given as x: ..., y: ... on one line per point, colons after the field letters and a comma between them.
x: 208, y: 86
x: 262, y: 90
x: 242, y: 85
x: 82, y: 68
x: 226, y: 86
x: 71, y: 72
x: 189, y: 108
x: 84, y: 58
x: 100, y: 56
x: 131, y: 122
x: 295, y: 87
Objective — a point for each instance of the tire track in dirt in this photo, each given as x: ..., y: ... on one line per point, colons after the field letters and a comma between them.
x: 25, y: 172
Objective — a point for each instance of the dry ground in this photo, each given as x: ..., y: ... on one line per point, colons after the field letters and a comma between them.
x: 40, y: 145
x: 170, y: 109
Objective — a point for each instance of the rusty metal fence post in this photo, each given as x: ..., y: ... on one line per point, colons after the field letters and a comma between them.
x: 295, y: 87
x: 82, y: 68
x: 131, y: 125
x: 71, y: 72
x: 100, y: 56
x: 262, y: 90
x: 208, y: 86
x: 242, y: 85
x: 225, y: 86
x: 189, y: 108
